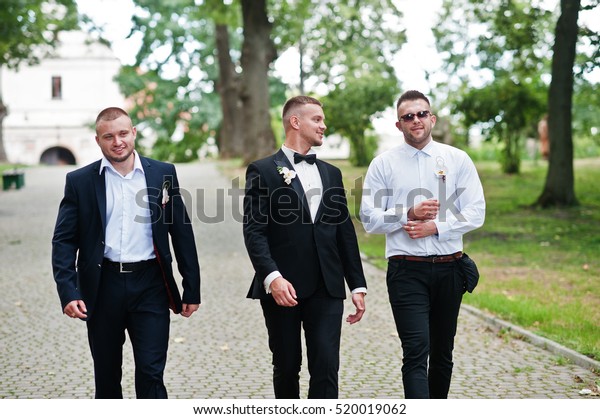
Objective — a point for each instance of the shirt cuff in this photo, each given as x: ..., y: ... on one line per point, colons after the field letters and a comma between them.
x: 270, y: 278
x: 402, y: 214
x: 359, y: 289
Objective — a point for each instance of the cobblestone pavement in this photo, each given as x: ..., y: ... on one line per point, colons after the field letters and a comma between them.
x: 221, y: 352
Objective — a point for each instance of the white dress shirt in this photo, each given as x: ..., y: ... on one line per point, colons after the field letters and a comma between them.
x: 128, y: 224
x: 404, y: 176
x: 310, y: 178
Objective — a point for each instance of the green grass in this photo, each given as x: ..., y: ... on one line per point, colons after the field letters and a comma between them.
x: 7, y: 166
x: 539, y: 269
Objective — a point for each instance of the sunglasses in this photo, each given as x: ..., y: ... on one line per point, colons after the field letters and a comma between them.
x: 409, y: 117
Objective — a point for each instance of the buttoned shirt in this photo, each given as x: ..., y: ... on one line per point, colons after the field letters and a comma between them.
x: 400, y: 178
x: 128, y: 224
x: 310, y: 178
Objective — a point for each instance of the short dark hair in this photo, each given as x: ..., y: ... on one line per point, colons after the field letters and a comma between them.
x: 411, y: 95
x: 110, y: 114
x: 296, y: 101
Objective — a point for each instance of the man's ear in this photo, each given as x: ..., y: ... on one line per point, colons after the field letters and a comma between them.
x: 294, y: 122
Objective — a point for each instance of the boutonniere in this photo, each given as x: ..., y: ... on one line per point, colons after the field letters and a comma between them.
x: 440, y: 169
x: 440, y: 174
x: 287, y: 174
x: 165, y: 193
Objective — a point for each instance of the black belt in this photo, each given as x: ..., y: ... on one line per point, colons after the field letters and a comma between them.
x: 431, y: 259
x: 126, y: 267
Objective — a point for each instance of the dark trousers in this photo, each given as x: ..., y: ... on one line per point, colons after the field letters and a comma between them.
x: 425, y: 299
x: 321, y: 318
x: 136, y: 302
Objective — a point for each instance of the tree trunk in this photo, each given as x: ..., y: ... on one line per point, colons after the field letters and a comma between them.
x: 231, y: 134
x: 3, y: 113
x: 511, y: 155
x: 560, y: 180
x: 257, y: 53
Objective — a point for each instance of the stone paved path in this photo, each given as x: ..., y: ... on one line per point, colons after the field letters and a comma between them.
x: 221, y: 352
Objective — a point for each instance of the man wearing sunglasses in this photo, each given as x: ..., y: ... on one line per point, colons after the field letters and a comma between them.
x: 424, y: 196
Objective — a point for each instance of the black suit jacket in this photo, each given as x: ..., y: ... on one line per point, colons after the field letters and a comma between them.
x: 78, y: 241
x: 280, y: 235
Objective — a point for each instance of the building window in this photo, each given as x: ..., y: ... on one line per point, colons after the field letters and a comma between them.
x: 56, y: 87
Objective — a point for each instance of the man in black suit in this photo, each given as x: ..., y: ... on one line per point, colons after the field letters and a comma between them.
x: 302, y: 244
x: 112, y: 261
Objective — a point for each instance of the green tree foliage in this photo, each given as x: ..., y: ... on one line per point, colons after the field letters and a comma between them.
x: 506, y: 110
x: 28, y: 32
x: 506, y: 44
x: 341, y: 42
x: 171, y: 83
x: 349, y: 109
x: 178, y: 119
x: 346, y: 48
x: 29, y: 29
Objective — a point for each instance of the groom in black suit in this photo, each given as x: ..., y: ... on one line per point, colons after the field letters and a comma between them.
x: 302, y: 244
x: 111, y: 257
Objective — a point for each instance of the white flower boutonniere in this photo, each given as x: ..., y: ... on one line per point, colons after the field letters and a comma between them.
x: 287, y: 174
x: 165, y: 192
x: 441, y: 174
x: 440, y: 169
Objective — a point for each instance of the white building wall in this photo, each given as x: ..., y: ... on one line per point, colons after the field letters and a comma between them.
x: 37, y: 122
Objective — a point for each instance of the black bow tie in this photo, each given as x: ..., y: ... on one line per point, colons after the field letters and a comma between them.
x: 309, y: 158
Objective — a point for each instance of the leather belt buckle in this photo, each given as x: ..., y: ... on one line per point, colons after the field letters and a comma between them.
x: 121, y: 270
x: 433, y: 258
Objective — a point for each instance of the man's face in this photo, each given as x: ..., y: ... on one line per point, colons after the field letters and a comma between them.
x: 116, y: 139
x: 312, y: 126
x: 417, y: 131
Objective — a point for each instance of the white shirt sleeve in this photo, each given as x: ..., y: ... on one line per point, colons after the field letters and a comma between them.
x: 378, y: 211
x: 466, y: 208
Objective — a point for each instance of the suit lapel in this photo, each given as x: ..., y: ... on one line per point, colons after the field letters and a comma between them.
x: 326, y: 182
x: 100, y: 189
x: 154, y: 183
x: 281, y: 160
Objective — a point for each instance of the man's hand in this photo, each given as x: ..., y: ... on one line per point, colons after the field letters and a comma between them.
x: 76, y: 309
x: 424, y: 211
x: 358, y: 299
x: 188, y: 309
x: 283, y: 292
x: 420, y: 229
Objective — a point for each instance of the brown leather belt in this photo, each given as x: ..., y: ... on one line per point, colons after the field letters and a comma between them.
x: 431, y: 259
x: 127, y: 267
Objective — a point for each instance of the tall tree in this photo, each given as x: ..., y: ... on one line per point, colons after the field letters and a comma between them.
x: 231, y: 135
x: 29, y: 32
x: 559, y: 189
x: 258, y: 51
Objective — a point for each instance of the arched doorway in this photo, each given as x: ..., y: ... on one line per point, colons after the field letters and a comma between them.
x: 57, y: 156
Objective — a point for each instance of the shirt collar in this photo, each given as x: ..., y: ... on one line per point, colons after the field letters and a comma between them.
x: 429, y: 149
x: 137, y: 164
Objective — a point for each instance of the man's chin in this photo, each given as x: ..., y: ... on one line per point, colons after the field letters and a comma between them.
x: 119, y: 159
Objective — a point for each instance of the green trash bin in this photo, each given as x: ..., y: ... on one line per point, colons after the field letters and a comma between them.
x: 13, y: 177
